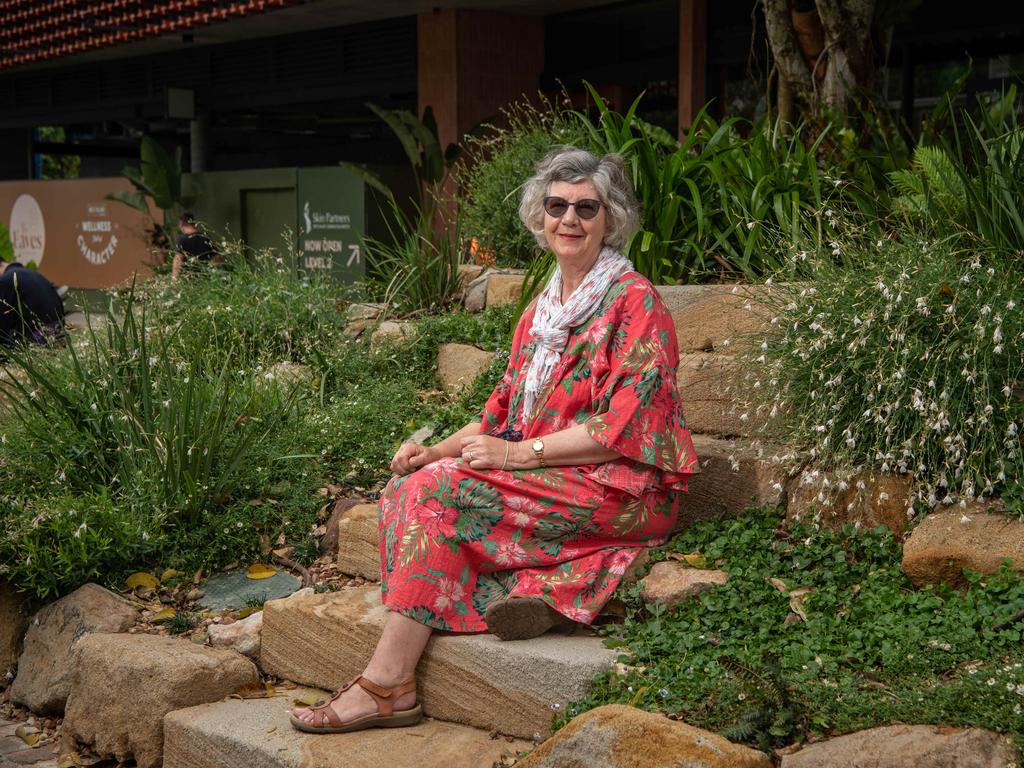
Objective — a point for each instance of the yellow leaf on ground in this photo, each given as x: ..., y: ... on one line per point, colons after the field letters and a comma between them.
x: 696, y: 560
x: 142, y: 581
x: 28, y: 734
x: 260, y: 571
x: 309, y: 700
x: 164, y: 615
x: 170, y: 573
x: 257, y: 691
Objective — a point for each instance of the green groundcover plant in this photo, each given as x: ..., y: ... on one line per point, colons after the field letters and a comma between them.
x: 817, y: 633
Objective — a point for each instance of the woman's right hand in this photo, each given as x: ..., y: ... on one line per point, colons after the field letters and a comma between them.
x: 411, y: 456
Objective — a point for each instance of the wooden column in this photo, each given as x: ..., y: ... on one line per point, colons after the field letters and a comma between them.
x: 472, y: 63
x: 693, y: 37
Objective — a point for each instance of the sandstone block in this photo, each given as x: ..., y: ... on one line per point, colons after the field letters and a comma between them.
x: 617, y: 736
x: 712, y: 395
x: 503, y: 288
x: 125, y: 684
x: 325, y: 640
x: 908, y: 746
x: 459, y: 364
x: 257, y: 734
x: 671, y: 583
x: 946, y: 542
x: 364, y: 311
x: 243, y: 636
x: 717, y: 318
x: 12, y: 627
x: 733, y: 476
x: 358, y: 547
x: 50, y: 649
x: 866, y: 499
x: 475, y: 297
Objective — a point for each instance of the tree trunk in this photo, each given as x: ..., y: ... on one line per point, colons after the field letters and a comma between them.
x: 847, y: 59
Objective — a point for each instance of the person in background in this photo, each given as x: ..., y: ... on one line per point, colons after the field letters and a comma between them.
x: 192, y: 247
x: 31, y: 310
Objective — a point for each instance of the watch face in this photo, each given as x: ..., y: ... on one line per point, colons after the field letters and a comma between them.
x: 538, y: 445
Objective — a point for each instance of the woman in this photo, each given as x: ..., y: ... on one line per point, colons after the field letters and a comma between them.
x: 534, y: 513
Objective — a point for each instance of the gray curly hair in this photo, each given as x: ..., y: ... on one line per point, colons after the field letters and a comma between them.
x: 573, y: 165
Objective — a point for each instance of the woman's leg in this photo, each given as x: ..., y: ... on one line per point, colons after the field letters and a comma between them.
x: 393, y: 662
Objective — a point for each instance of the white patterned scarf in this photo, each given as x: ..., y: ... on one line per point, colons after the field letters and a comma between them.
x: 553, y: 320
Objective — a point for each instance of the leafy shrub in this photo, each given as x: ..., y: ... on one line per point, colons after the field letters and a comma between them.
x: 872, y: 650
x: 501, y: 160
x: 417, y: 269
x: 52, y: 543
x: 908, y: 363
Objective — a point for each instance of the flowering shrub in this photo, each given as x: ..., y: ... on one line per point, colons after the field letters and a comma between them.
x: 910, y: 363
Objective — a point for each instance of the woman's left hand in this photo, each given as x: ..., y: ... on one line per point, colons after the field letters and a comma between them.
x: 486, y: 452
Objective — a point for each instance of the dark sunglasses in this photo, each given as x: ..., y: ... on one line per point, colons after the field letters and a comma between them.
x: 585, y: 209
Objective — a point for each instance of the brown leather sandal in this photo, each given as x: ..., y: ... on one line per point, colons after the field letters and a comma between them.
x: 325, y: 720
x: 521, y: 618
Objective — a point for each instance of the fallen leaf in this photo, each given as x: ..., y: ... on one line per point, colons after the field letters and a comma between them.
x: 169, y: 574
x: 249, y: 610
x: 779, y: 584
x: 309, y: 700
x: 142, y: 581
x: 257, y: 691
x: 271, y: 729
x: 163, y: 615
x: 28, y: 734
x: 796, y: 601
x: 694, y: 559
x: 260, y: 571
x: 265, y: 546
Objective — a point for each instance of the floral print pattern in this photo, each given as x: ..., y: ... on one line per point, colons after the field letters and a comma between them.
x: 454, y: 540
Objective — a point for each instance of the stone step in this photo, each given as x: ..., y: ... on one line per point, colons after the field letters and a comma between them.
x: 256, y: 733
x: 734, y: 475
x: 324, y: 640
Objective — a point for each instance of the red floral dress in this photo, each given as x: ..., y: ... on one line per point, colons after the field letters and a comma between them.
x: 454, y: 539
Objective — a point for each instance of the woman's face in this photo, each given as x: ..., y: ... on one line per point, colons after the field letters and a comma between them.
x: 573, y: 240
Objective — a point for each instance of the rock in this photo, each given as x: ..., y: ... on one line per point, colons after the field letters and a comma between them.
x: 256, y: 733
x: 467, y: 274
x: 125, y: 684
x: 391, y: 330
x: 459, y: 364
x: 234, y: 589
x: 12, y: 627
x: 290, y: 374
x: 504, y: 288
x: 718, y: 318
x: 476, y: 294
x: 50, y: 654
x: 908, y: 746
x: 364, y: 311
x: 242, y: 636
x: 617, y: 736
x: 864, y: 499
x: 711, y: 393
x: 358, y: 548
x: 946, y: 542
x: 734, y: 475
x: 670, y: 583
x: 325, y: 640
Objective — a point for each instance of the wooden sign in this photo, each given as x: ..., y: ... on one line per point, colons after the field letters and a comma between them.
x: 73, y: 234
